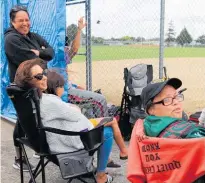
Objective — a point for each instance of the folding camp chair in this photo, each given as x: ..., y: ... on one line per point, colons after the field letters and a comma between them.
x: 27, y: 107
x: 131, y: 106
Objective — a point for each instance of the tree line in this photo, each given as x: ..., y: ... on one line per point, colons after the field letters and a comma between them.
x: 182, y: 39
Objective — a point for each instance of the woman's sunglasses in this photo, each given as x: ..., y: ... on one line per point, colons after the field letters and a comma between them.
x: 40, y: 75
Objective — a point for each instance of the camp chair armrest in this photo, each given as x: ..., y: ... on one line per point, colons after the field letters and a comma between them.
x: 91, y: 140
x: 61, y: 132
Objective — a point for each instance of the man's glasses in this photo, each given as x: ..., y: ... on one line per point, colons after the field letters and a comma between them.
x: 40, y: 75
x: 169, y: 100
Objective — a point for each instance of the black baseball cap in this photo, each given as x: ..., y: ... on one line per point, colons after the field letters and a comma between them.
x: 153, y: 89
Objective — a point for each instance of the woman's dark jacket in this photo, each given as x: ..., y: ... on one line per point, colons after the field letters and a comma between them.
x: 18, y: 49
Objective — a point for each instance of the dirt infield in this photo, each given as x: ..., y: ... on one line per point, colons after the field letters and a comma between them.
x: 108, y: 75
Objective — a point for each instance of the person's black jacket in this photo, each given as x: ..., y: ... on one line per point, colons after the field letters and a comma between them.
x: 18, y: 49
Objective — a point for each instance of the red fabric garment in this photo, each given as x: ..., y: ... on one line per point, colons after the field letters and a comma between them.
x: 164, y: 160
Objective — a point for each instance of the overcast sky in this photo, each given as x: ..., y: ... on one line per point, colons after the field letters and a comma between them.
x: 141, y: 17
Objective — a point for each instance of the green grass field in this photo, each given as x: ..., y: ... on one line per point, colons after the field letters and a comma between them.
x: 135, y: 52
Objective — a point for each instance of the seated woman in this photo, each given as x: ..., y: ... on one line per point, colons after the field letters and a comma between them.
x: 56, y: 83
x: 58, y: 114
x: 163, y: 105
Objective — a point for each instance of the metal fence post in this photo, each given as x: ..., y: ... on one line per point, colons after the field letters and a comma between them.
x: 88, y: 46
x: 161, y: 48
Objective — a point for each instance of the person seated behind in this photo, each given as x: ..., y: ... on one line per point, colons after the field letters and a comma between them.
x: 163, y: 104
x: 72, y: 45
x: 72, y: 39
x: 100, y: 108
x: 56, y: 83
x: 58, y: 114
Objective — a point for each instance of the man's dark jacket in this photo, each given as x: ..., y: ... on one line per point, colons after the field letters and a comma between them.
x: 18, y: 49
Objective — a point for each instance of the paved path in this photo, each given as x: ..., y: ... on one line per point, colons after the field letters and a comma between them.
x: 10, y: 175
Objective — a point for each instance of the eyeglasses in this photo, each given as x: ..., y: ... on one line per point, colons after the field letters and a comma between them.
x: 40, y: 75
x: 169, y: 100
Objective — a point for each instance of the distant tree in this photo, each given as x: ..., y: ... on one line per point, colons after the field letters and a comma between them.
x: 71, y: 33
x: 201, y: 39
x: 132, y: 38
x: 97, y: 40
x: 126, y: 38
x: 184, y: 37
x: 140, y: 39
x: 170, y: 34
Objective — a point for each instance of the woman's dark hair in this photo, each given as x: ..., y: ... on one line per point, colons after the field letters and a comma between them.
x: 54, y: 80
x: 23, y: 73
x: 16, y: 9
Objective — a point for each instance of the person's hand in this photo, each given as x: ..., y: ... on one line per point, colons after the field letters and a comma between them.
x: 81, y: 23
x: 36, y: 52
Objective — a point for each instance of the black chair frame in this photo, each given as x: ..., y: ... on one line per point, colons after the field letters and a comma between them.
x: 128, y: 101
x: 30, y: 115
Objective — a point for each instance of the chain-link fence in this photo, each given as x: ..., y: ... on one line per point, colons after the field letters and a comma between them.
x: 126, y: 33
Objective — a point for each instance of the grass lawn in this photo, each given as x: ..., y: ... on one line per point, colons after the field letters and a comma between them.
x: 135, y: 52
